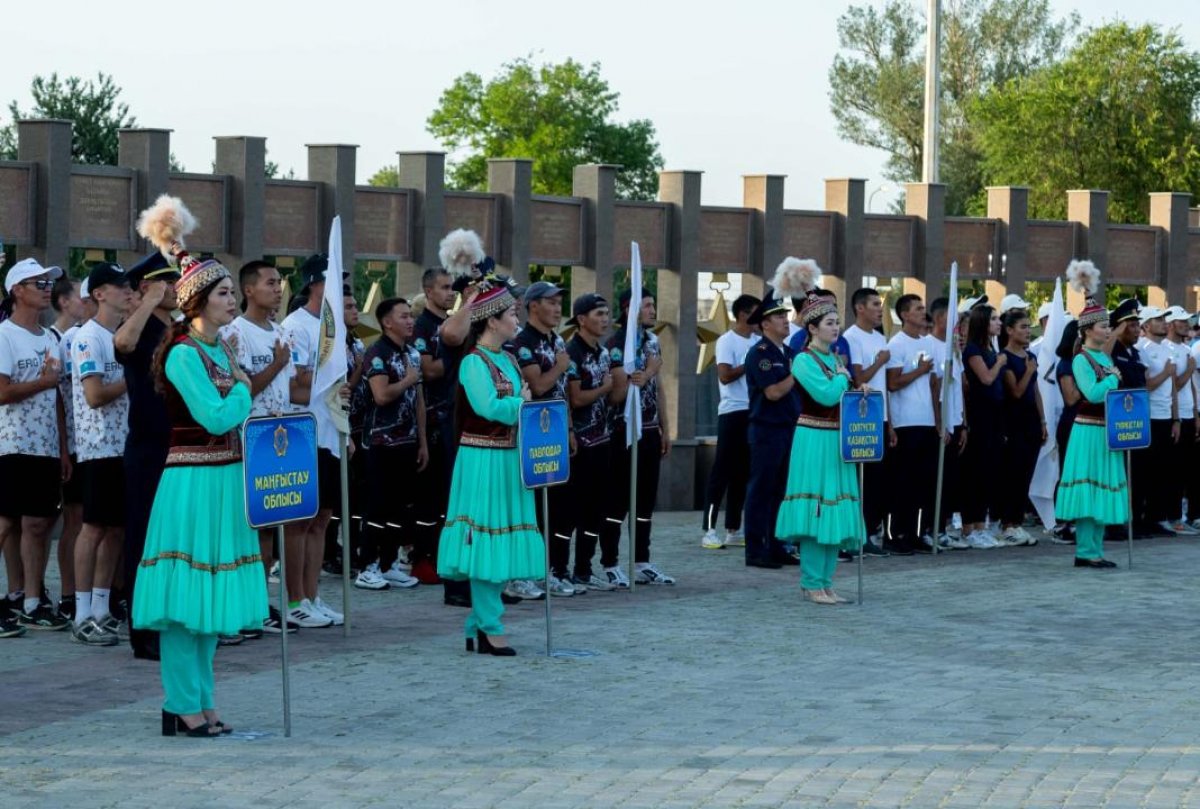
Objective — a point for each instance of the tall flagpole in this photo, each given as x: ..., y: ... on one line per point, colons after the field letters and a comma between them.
x: 944, y: 403
x: 933, y: 88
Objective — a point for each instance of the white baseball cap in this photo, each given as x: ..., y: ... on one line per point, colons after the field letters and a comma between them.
x: 1010, y: 302
x: 1174, y: 313
x: 1149, y: 313
x: 1044, y: 310
x: 28, y: 268
x: 967, y: 304
x: 84, y: 290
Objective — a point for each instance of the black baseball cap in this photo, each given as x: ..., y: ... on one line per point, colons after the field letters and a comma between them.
x: 104, y: 272
x: 312, y: 271
x: 584, y: 304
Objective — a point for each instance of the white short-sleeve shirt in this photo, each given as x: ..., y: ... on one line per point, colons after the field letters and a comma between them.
x: 912, y: 405
x: 30, y: 426
x: 100, y: 432
x: 731, y: 350
x: 303, y: 333
x: 1155, y: 357
x: 255, y: 351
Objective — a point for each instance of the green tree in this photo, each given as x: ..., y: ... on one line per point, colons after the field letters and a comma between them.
x: 93, y: 107
x: 386, y: 177
x: 1121, y: 112
x: 560, y: 115
x: 877, y: 82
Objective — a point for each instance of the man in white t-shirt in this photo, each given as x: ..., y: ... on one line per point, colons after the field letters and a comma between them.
x: 731, y: 468
x: 33, y: 456
x: 264, y: 353
x: 101, y: 426
x: 1164, y: 415
x: 302, y: 329
x: 869, y: 356
x: 1181, y: 469
x: 913, y: 387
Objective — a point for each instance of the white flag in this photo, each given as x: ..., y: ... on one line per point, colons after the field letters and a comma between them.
x: 948, y: 377
x: 633, y: 399
x: 329, y: 371
x: 1045, y: 474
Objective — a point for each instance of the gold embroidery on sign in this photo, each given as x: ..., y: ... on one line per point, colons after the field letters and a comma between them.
x: 180, y: 556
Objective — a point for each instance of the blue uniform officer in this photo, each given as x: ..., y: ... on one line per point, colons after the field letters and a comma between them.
x: 774, y: 407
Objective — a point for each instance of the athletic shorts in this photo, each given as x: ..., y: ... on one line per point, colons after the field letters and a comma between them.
x: 29, y: 486
x: 329, y: 481
x: 72, y: 490
x: 103, y: 482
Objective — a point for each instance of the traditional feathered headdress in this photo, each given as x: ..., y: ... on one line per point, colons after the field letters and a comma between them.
x: 1084, y: 276
x: 796, y: 277
x: 164, y: 224
x: 460, y: 251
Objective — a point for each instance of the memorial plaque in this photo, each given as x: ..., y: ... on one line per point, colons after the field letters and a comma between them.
x: 1133, y: 254
x: 16, y: 204
x: 477, y: 212
x: 1049, y: 248
x: 644, y: 223
x: 101, y: 210
x: 889, y: 243
x: 381, y: 224
x: 970, y: 242
x: 725, y: 239
x: 290, y: 218
x: 556, y: 235
x: 809, y: 235
x: 205, y: 196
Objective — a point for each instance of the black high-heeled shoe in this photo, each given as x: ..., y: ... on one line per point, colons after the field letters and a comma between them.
x: 486, y: 647
x: 470, y: 644
x: 173, y: 724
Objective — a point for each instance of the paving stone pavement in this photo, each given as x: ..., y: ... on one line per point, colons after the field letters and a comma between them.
x: 1002, y: 678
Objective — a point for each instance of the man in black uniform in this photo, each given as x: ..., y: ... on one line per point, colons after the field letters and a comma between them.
x: 543, y: 360
x: 438, y: 337
x: 149, y: 428
x: 774, y: 408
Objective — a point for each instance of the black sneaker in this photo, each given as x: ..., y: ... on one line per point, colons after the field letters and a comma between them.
x: 66, y: 607
x: 43, y: 618
x: 10, y: 628
x: 274, y: 624
x: 251, y: 634
x: 871, y: 549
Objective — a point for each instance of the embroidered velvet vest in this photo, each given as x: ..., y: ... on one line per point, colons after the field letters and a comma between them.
x: 480, y: 432
x: 812, y: 412
x: 1091, y: 412
x: 191, y: 444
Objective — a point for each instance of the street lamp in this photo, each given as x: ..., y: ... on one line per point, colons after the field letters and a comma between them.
x: 887, y: 189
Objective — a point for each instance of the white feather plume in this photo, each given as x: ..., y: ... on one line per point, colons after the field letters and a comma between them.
x: 460, y: 251
x: 1083, y: 276
x: 796, y: 277
x: 165, y: 223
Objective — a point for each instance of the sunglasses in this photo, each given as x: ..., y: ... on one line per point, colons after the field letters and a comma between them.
x: 40, y: 283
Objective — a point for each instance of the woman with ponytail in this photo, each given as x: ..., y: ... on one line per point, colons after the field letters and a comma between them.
x: 201, y: 573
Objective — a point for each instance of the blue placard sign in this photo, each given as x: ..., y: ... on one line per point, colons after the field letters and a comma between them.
x: 543, y: 436
x: 1127, y: 419
x: 862, y: 426
x: 280, y: 469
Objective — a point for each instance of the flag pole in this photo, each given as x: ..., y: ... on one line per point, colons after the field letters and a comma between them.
x: 944, y: 401
x: 633, y: 477
x: 344, y: 468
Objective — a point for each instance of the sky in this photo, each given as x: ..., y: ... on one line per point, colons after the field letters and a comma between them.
x: 733, y: 88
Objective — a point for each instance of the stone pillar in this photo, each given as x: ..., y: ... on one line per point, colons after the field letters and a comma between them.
x: 927, y: 202
x: 1010, y: 204
x: 334, y: 165
x: 47, y: 142
x: 1169, y: 211
x: 425, y: 173
x: 1194, y: 218
x: 764, y: 193
x: 1089, y: 209
x: 677, y: 310
x: 596, y: 184
x: 847, y: 198
x: 244, y: 159
x: 512, y: 178
x: 148, y: 153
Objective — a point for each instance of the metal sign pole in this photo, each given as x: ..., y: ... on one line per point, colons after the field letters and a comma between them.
x: 546, y: 538
x: 866, y: 534
x: 1129, y: 493
x: 633, y: 478
x: 283, y: 633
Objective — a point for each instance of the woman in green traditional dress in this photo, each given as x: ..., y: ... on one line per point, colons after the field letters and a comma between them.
x: 1093, y: 490
x: 821, y: 508
x: 201, y: 574
x: 491, y: 534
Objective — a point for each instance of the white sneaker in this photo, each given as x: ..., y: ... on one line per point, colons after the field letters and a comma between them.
x: 1195, y: 524
x: 524, y: 589
x: 330, y: 613
x: 711, y: 540
x: 1167, y: 527
x: 306, y: 616
x: 649, y: 574
x: 952, y: 542
x: 560, y: 588
x: 1183, y: 529
x: 735, y: 539
x: 980, y: 540
x: 370, y: 579
x: 1013, y: 536
x: 594, y: 582
x: 399, y: 577
x: 617, y: 578
x: 273, y: 575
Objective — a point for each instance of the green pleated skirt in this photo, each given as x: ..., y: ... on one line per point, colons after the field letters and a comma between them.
x: 491, y: 532
x: 821, y: 500
x: 1093, y: 482
x: 201, y: 569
